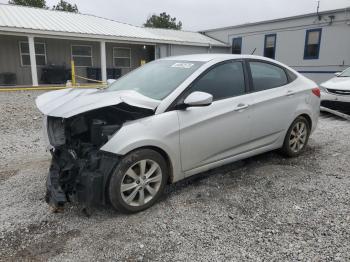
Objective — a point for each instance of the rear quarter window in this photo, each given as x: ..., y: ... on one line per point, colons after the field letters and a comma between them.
x: 291, y: 75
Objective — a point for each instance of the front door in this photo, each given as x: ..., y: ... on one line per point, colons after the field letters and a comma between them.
x: 212, y: 133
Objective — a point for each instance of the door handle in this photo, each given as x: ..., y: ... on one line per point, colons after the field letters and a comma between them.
x: 290, y: 93
x: 241, y: 107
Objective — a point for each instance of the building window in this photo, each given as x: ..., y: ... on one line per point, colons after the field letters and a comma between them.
x: 82, y: 55
x: 122, y: 57
x: 270, y: 46
x: 237, y: 45
x: 312, y: 44
x: 40, y: 53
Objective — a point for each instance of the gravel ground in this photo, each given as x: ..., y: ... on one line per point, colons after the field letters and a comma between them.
x: 263, y: 208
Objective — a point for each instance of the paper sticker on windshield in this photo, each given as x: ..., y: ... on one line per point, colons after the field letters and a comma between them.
x: 183, y: 65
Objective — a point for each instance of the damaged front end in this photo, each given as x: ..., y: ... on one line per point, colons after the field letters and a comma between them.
x: 82, y: 177
x: 79, y: 170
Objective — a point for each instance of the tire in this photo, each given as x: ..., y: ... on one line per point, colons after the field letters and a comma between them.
x: 299, y: 136
x: 138, y: 181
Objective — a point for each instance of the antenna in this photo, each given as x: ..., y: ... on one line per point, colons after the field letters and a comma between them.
x: 318, y: 10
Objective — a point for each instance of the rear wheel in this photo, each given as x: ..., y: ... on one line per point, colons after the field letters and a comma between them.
x: 297, y: 137
x: 138, y: 181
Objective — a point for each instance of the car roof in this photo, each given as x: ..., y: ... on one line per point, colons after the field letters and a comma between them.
x: 209, y: 57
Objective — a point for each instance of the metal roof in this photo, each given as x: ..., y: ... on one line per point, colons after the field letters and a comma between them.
x: 345, y: 9
x: 21, y: 19
x: 180, y: 36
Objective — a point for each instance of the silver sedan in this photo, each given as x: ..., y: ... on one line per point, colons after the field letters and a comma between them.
x: 171, y: 119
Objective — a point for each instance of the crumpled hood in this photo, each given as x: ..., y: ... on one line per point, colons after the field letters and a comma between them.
x: 340, y: 83
x: 69, y: 102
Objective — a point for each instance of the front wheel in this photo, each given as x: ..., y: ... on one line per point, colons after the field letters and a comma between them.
x: 297, y: 137
x: 138, y: 181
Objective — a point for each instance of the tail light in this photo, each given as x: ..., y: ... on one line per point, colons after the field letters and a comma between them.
x: 316, y: 91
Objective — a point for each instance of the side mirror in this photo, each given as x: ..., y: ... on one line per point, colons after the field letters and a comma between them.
x: 197, y: 99
x: 110, y: 81
x: 337, y: 74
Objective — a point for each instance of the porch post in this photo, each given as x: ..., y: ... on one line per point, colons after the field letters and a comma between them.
x: 103, y: 61
x: 33, y: 61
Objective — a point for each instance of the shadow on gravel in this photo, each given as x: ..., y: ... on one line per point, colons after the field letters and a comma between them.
x: 250, y: 163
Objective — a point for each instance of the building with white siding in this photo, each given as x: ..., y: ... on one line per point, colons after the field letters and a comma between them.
x: 317, y: 44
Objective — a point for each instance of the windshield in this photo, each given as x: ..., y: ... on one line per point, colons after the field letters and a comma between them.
x: 156, y: 79
x: 346, y: 73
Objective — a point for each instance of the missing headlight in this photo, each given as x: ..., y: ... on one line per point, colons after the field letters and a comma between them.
x: 56, y: 131
x: 101, y: 132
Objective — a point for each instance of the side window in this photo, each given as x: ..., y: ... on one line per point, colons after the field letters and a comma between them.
x: 312, y: 44
x: 270, y: 46
x: 82, y: 55
x: 223, y: 81
x: 237, y: 45
x: 122, y: 57
x: 266, y: 76
x: 40, y: 53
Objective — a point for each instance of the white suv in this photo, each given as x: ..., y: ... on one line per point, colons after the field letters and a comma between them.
x: 171, y: 119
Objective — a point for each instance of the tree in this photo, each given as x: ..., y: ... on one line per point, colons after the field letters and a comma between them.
x: 163, y: 20
x: 33, y: 3
x: 65, y: 6
x: 61, y: 5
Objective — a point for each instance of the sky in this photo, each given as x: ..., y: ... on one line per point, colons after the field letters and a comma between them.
x: 199, y: 15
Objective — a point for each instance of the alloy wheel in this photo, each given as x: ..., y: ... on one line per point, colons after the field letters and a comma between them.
x: 298, y: 137
x: 141, y: 182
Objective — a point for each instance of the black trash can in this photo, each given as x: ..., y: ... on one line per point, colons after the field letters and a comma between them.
x: 114, y: 73
x: 54, y: 75
x: 8, y: 79
x: 93, y: 73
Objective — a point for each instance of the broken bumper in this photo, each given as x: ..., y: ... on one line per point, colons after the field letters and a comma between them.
x: 84, y: 180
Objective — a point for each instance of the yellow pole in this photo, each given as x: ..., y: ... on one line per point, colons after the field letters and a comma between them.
x: 73, y: 73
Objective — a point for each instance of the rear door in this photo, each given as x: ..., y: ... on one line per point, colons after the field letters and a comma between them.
x: 212, y: 133
x: 275, y: 97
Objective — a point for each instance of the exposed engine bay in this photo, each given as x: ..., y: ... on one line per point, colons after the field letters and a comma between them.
x: 79, y: 170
